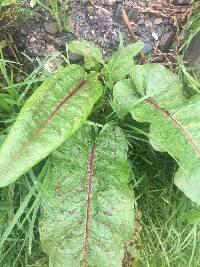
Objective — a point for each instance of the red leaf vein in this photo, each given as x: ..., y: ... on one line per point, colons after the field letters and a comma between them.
x: 51, y: 115
x: 89, y: 197
x: 176, y: 123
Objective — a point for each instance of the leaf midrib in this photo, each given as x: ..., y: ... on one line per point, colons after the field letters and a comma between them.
x: 49, y: 118
x: 176, y: 123
x: 89, y: 196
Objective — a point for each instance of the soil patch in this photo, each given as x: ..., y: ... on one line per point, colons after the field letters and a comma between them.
x: 157, y: 23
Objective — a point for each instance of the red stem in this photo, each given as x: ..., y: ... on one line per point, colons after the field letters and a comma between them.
x: 176, y: 123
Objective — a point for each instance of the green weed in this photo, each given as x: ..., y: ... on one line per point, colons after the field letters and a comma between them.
x: 167, y: 238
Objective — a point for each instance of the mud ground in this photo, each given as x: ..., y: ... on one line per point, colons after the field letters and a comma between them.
x: 158, y: 23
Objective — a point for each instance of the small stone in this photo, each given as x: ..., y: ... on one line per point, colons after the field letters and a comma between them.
x: 59, y: 42
x: 147, y: 48
x: 140, y: 21
x: 50, y: 28
x: 85, y: 2
x: 23, y: 31
x: 159, y: 32
x: 182, y: 2
x: 158, y: 21
x: 42, y: 30
x: 155, y: 36
x: 110, y: 2
x: 33, y: 39
x: 50, y: 47
x: 193, y: 54
x: 166, y: 41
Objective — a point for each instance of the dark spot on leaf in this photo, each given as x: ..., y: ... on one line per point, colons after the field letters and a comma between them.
x: 121, y: 226
x: 62, y: 211
x: 137, y: 230
x: 80, y: 189
x: 61, y: 246
x: 58, y: 189
x: 108, y: 213
x: 72, y: 212
x: 131, y: 243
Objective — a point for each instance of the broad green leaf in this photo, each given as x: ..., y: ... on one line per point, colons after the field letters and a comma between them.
x: 175, y: 121
x: 88, y: 212
x: 121, y: 63
x: 91, y: 53
x: 49, y: 117
x: 121, y: 94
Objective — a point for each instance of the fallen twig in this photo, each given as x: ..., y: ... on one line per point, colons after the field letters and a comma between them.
x: 132, y: 35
